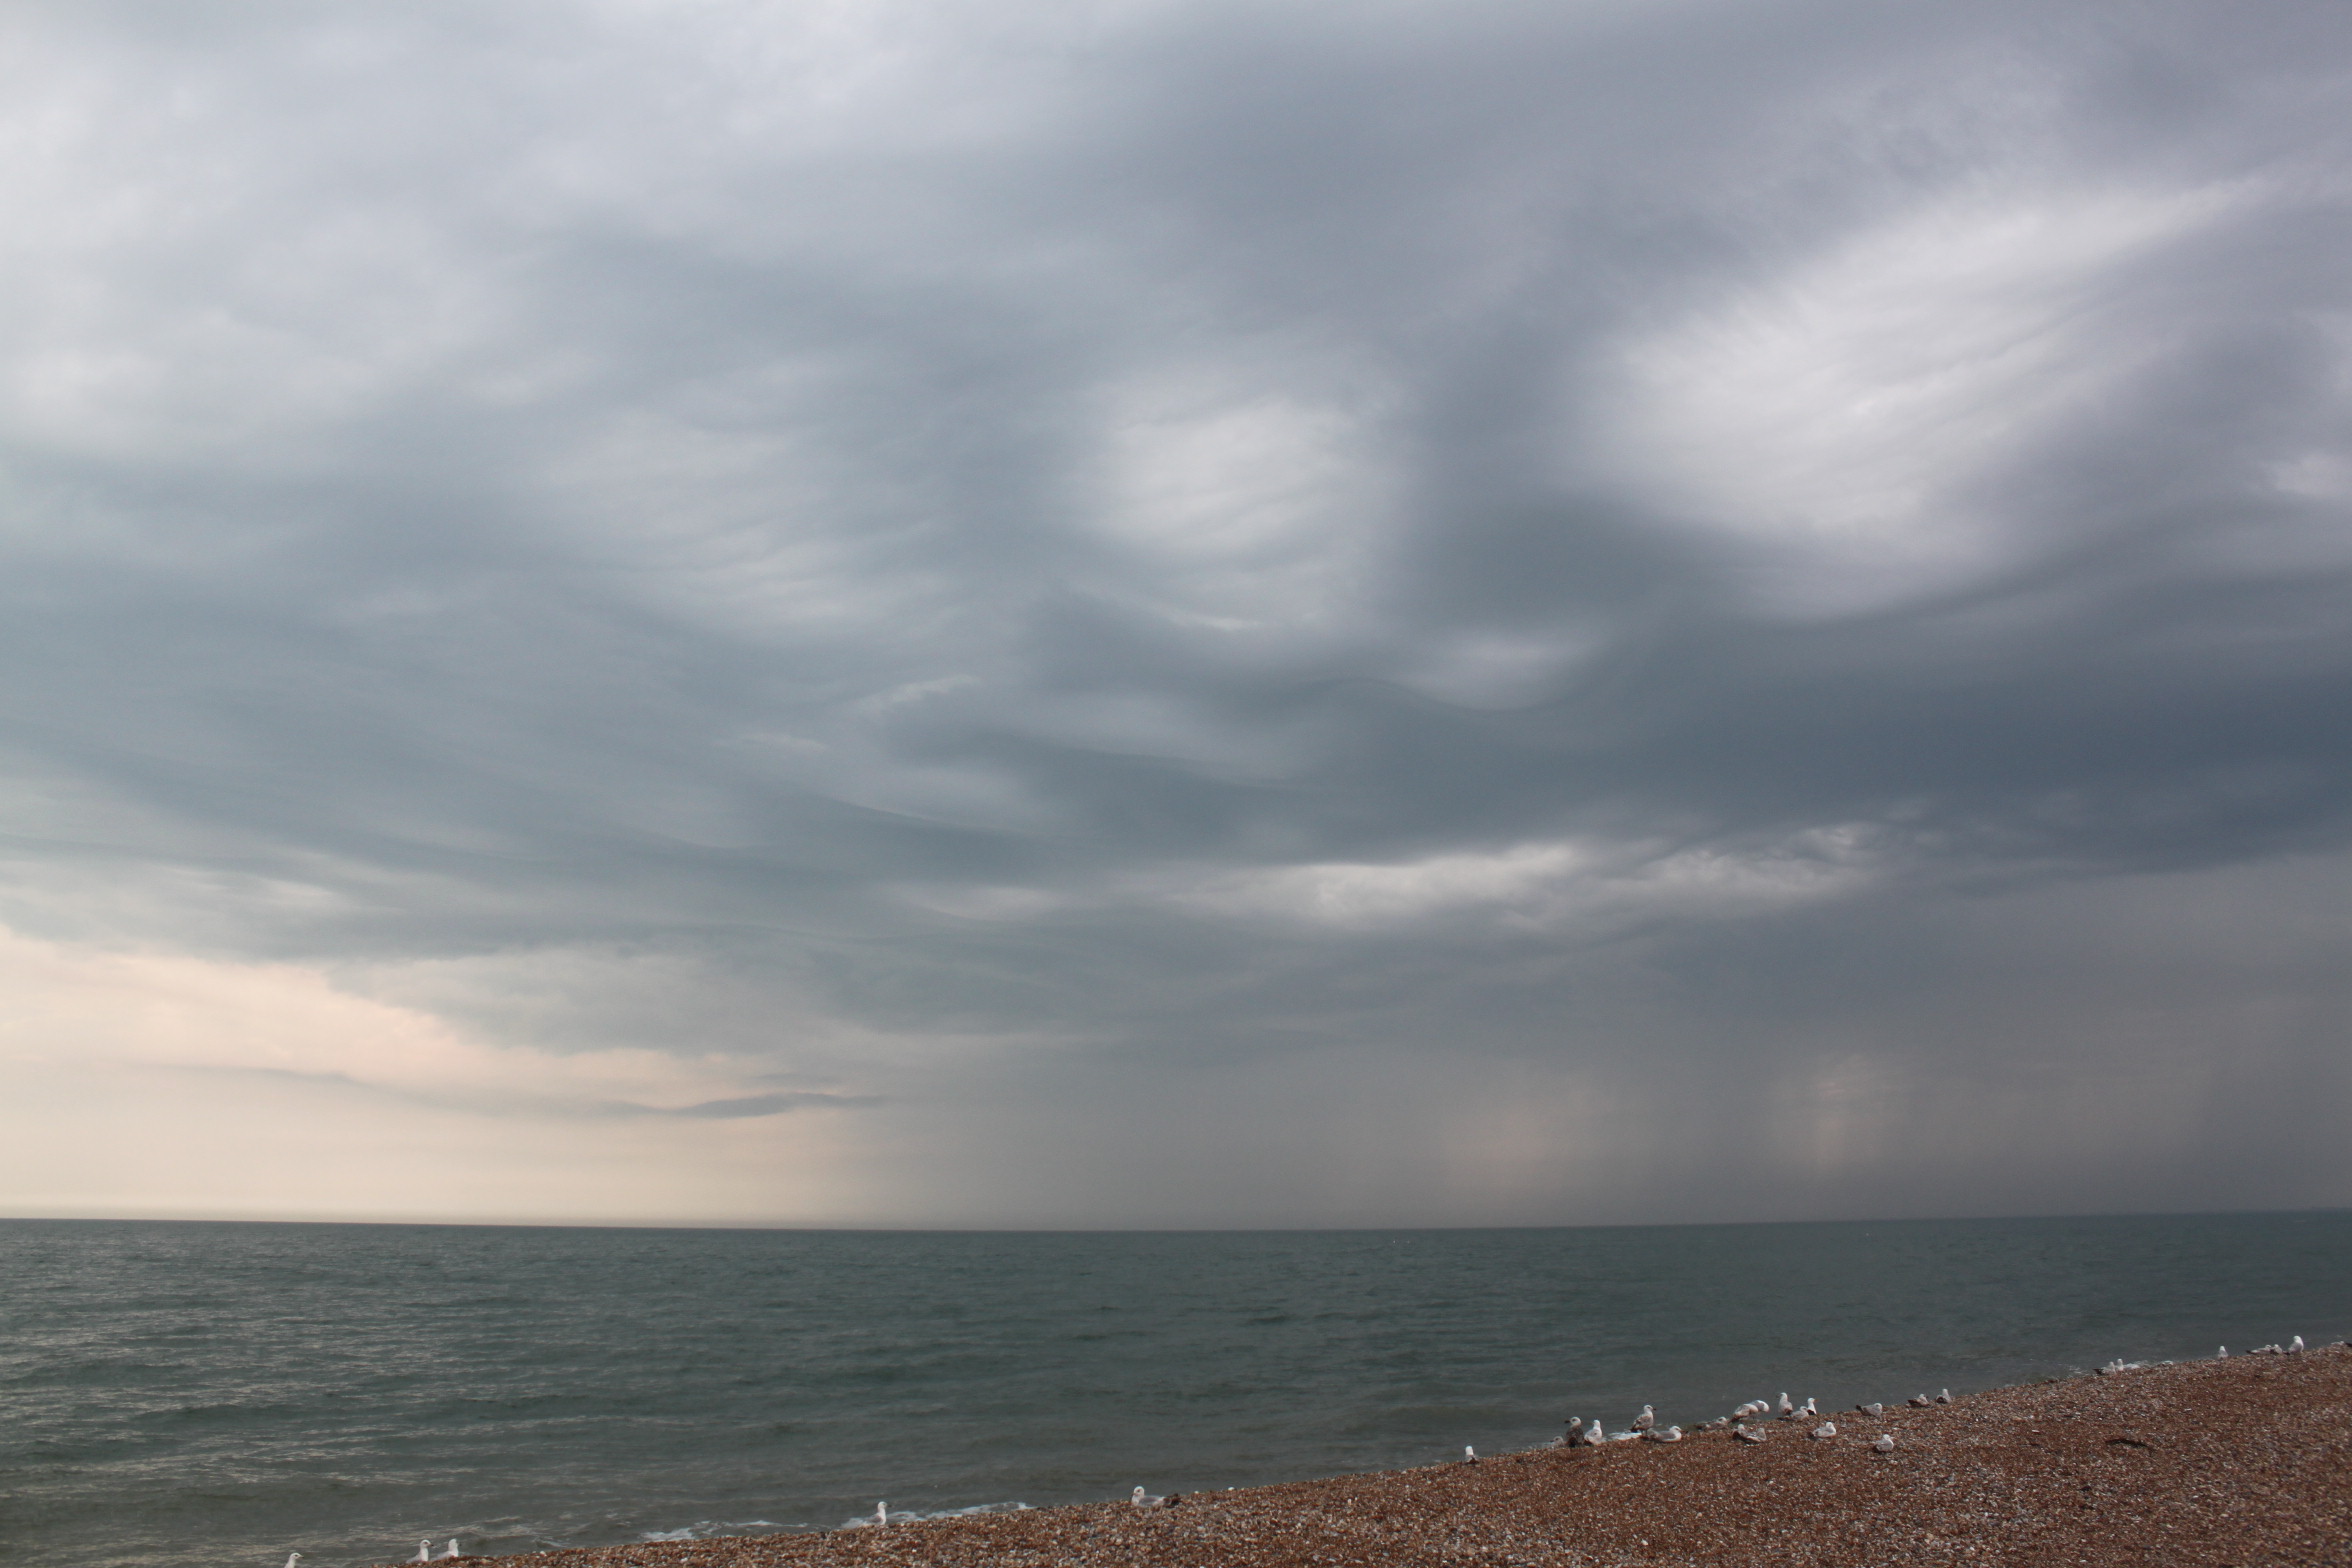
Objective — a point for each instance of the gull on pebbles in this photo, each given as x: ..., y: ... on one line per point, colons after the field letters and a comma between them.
x: 424, y: 1552
x: 1885, y: 1443
x: 1144, y: 1499
x: 1671, y: 1434
x: 1825, y: 1429
x: 1749, y: 1434
x: 1873, y: 1409
x: 1647, y: 1419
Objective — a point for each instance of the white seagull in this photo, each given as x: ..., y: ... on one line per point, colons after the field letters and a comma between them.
x: 1806, y: 1410
x: 453, y: 1551
x: 1921, y: 1400
x: 1143, y: 1499
x: 881, y: 1513
x: 1671, y: 1434
x: 424, y: 1552
x: 292, y: 1558
x: 1785, y: 1407
x: 2222, y: 1354
x: 1825, y: 1429
x: 2295, y: 1346
x: 1594, y: 1437
x: 1944, y: 1398
x: 1885, y: 1443
x: 1469, y: 1455
x: 1749, y: 1434
x: 1647, y: 1419
x: 1874, y: 1408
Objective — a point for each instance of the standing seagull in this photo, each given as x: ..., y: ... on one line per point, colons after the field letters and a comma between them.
x: 424, y: 1552
x: 881, y: 1513
x: 292, y: 1558
x: 1594, y: 1437
x: 1469, y: 1454
x: 453, y: 1551
x: 2295, y: 1346
x: 1647, y: 1419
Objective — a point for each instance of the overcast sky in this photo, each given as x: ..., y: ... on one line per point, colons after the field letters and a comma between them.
x: 1159, y: 612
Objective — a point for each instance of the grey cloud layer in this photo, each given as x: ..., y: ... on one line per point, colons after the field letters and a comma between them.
x: 1215, y: 539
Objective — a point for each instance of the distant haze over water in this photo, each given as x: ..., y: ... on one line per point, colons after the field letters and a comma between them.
x: 196, y: 1394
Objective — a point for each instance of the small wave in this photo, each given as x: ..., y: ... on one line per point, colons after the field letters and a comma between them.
x: 917, y: 1515
x: 705, y: 1529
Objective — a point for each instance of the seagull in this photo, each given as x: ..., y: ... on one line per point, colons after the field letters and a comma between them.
x: 1749, y: 1434
x: 1785, y: 1407
x: 1143, y: 1499
x: 1806, y: 1409
x: 2295, y: 1346
x: 1825, y: 1429
x: 881, y: 1513
x: 453, y: 1551
x: 1944, y: 1398
x: 1671, y: 1434
x: 1874, y: 1408
x: 1921, y: 1400
x: 1469, y: 1457
x: 1594, y: 1437
x: 2222, y: 1354
x: 424, y: 1552
x: 1647, y: 1419
x: 292, y: 1558
x: 1885, y: 1443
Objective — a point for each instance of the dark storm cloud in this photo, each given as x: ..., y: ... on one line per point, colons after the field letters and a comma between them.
x: 1389, y: 544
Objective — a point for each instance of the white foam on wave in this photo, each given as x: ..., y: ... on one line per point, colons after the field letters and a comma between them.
x: 705, y: 1529
x: 917, y: 1515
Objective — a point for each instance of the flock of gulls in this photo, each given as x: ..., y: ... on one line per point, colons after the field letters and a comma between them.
x: 1748, y: 1424
x: 1645, y: 1426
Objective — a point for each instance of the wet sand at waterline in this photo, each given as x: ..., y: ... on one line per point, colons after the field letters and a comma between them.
x: 2244, y: 1461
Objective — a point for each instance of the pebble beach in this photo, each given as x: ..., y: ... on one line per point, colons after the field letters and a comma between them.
x: 2239, y: 1461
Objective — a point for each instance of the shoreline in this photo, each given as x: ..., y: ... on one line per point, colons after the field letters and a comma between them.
x: 2239, y: 1461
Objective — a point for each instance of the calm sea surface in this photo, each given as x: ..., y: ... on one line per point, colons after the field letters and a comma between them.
x: 198, y: 1394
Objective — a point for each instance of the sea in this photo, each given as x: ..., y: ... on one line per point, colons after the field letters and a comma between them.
x: 195, y: 1394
